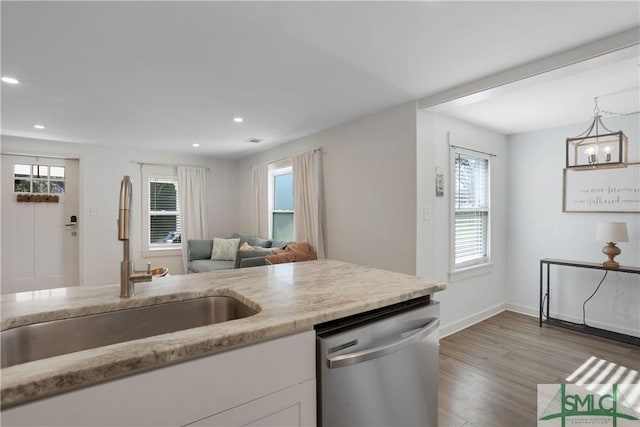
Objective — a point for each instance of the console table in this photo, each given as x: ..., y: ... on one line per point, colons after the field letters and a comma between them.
x: 544, y: 316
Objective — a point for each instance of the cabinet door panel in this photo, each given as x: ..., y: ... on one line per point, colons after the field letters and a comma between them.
x: 286, y: 417
x: 293, y: 406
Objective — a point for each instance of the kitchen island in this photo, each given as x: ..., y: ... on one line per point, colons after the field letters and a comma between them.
x: 290, y: 298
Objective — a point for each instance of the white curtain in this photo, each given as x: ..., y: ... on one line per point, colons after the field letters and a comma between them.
x: 260, y: 205
x: 192, y: 193
x: 308, y: 200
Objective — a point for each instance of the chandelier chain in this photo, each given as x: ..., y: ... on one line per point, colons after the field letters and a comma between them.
x: 597, y: 111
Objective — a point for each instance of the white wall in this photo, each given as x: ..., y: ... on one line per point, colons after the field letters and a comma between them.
x: 538, y: 228
x: 101, y: 169
x: 370, y: 187
x: 379, y: 178
x: 468, y: 298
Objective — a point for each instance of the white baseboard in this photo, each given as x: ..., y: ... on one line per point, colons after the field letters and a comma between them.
x: 523, y: 309
x: 533, y: 311
x: 461, y: 324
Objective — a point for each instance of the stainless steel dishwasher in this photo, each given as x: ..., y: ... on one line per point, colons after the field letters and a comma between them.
x: 380, y: 368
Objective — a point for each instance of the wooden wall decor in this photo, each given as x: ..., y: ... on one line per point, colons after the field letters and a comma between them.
x: 38, y: 198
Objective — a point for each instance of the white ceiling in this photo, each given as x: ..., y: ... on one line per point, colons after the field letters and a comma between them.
x: 164, y: 75
x: 555, y: 101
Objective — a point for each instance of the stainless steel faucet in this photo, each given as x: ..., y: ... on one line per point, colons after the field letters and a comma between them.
x: 128, y: 278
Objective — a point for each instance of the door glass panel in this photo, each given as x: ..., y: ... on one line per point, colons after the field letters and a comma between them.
x: 40, y: 171
x: 56, y: 172
x: 22, y: 186
x: 22, y: 171
x: 57, y: 187
x: 40, y: 186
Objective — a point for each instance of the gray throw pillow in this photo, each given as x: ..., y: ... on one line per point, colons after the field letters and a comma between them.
x: 224, y: 249
x: 253, y: 240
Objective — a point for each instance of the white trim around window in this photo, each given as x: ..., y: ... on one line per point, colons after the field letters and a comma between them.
x: 470, y: 214
x: 281, y: 168
x: 158, y: 174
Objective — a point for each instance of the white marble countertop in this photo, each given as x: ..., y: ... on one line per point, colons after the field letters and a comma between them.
x: 291, y: 298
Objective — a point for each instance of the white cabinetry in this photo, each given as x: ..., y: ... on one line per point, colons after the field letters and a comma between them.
x: 270, y: 383
x: 288, y: 407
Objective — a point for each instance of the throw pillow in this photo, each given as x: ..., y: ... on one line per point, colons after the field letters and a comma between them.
x: 262, y: 243
x: 246, y: 247
x: 278, y: 244
x: 253, y: 241
x: 224, y: 249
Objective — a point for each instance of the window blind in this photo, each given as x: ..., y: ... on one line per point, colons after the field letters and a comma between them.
x: 164, y: 211
x: 471, y: 204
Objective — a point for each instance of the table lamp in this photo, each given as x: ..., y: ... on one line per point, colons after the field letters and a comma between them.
x: 612, y: 233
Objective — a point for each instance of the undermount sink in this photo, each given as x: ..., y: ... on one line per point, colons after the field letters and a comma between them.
x: 41, y: 340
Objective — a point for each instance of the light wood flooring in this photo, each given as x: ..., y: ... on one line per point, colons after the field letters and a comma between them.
x: 489, y: 372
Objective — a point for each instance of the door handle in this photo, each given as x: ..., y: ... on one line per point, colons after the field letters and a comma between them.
x: 376, y: 352
x: 71, y: 224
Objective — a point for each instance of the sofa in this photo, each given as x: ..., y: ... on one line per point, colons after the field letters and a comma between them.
x: 200, y: 250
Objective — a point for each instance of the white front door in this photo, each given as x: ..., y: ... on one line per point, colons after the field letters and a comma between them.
x: 39, y: 239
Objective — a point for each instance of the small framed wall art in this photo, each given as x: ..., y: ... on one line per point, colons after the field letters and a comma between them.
x: 439, y: 182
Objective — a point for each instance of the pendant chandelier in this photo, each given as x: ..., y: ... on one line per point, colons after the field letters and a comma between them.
x: 598, y: 147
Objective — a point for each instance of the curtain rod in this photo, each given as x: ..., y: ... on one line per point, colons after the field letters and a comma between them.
x: 475, y: 151
x: 315, y: 150
x: 167, y: 164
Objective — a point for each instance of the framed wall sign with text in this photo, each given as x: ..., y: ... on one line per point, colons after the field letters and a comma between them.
x: 602, y: 190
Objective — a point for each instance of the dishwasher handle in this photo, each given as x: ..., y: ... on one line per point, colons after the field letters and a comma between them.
x: 375, y: 352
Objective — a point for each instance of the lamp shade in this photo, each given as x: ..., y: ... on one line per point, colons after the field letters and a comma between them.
x: 612, y: 232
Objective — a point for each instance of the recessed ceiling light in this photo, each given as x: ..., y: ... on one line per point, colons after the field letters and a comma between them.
x: 38, y: 126
x: 196, y: 145
x: 10, y: 80
x: 238, y: 119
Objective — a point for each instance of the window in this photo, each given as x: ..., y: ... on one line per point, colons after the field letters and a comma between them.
x: 164, y: 212
x: 161, y: 211
x: 471, y: 209
x: 40, y: 179
x: 281, y: 204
